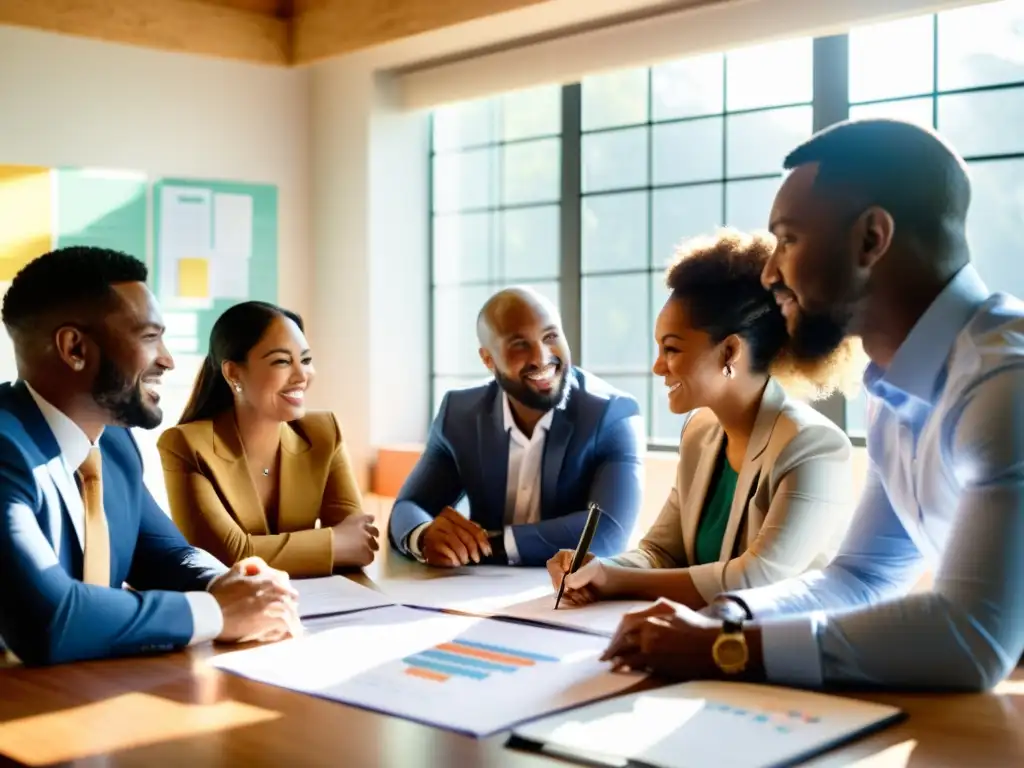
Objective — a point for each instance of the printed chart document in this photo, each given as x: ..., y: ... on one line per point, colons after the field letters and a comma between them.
x: 706, y: 725
x: 482, y: 589
x: 335, y: 594
x: 466, y: 674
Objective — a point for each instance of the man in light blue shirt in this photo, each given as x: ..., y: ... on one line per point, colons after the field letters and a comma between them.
x: 871, y: 228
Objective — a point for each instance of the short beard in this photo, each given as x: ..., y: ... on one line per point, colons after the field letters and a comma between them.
x: 817, y: 336
x: 521, y: 392
x: 122, y: 398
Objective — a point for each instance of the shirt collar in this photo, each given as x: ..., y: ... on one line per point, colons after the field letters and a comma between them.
x: 920, y: 361
x: 73, y: 443
x: 510, y: 422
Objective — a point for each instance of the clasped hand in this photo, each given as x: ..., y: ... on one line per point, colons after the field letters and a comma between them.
x: 452, y: 540
x: 257, y: 602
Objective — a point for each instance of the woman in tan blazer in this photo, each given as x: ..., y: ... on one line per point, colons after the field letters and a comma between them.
x: 763, y: 486
x: 248, y: 470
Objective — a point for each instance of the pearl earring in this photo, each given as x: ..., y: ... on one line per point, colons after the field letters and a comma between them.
x: 78, y: 365
x: 728, y: 372
x: 238, y: 387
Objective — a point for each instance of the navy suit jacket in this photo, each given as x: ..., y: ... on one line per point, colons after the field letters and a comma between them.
x: 592, y: 452
x: 47, y: 615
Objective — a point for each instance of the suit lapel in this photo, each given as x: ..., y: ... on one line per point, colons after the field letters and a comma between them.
x: 43, y: 437
x: 493, y: 461
x: 750, y: 472
x: 709, y: 449
x: 299, y: 499
x: 233, y: 475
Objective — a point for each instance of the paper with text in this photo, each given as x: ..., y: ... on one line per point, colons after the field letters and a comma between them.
x: 471, y: 675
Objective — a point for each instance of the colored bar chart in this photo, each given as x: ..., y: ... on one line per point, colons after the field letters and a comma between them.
x: 469, y: 660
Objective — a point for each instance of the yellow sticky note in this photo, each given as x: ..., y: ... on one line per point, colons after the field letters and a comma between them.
x: 193, y: 278
x: 26, y: 217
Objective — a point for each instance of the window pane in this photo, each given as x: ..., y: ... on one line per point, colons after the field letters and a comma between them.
x: 892, y: 59
x: 455, y: 343
x: 857, y: 415
x: 614, y: 323
x: 981, y: 45
x: 614, y: 160
x: 534, y: 112
x: 462, y: 125
x: 614, y: 233
x: 687, y: 151
x: 770, y: 75
x: 465, y: 180
x: 618, y: 98
x: 681, y: 213
x: 758, y: 142
x: 532, y: 172
x: 987, y: 123
x: 463, y: 248
x: 637, y: 387
x: 530, y: 243
x: 748, y: 204
x: 666, y: 427
x: 444, y: 384
x: 994, y: 223
x: 688, y: 88
x: 917, y: 111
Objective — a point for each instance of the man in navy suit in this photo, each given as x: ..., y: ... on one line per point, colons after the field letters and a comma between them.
x: 76, y: 521
x: 530, y: 450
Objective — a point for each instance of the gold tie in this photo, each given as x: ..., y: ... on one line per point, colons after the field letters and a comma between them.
x: 96, y: 560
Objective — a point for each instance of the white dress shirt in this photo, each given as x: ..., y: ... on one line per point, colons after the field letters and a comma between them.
x: 945, y: 489
x: 207, y: 620
x: 522, y: 486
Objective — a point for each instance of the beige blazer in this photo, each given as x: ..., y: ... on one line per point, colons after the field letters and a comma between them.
x: 214, y: 501
x: 791, y: 509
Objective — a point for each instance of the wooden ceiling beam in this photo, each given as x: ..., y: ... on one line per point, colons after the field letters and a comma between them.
x: 184, y: 26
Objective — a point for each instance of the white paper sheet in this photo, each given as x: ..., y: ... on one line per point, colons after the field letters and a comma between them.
x: 471, y: 675
x: 335, y: 594
x: 186, y: 221
x: 601, y: 618
x: 707, y: 725
x: 484, y: 589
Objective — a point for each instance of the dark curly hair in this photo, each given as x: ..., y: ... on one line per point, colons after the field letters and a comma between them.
x: 54, y: 287
x: 718, y: 278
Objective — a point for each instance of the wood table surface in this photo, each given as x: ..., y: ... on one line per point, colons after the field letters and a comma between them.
x: 175, y: 710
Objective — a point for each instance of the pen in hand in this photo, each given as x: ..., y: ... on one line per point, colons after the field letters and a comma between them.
x: 582, y: 548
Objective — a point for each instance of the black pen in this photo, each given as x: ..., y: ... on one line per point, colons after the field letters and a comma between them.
x: 582, y: 548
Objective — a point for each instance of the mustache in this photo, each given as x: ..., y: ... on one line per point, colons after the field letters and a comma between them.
x: 557, y: 362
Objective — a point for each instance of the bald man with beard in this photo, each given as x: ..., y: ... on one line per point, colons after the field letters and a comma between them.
x: 529, y: 450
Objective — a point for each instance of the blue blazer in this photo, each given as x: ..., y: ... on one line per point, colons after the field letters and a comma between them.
x: 47, y: 615
x: 592, y: 452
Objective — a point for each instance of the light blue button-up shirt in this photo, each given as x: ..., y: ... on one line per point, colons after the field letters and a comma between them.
x: 945, y: 490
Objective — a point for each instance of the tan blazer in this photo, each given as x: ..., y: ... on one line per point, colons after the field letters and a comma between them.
x: 214, y: 501
x: 792, y: 506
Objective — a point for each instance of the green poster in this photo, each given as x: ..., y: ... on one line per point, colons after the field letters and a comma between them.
x: 101, y: 208
x: 214, y: 245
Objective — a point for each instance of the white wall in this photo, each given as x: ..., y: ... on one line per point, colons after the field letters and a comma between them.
x: 67, y: 101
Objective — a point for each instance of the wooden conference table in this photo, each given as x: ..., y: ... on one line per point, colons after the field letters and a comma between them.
x: 175, y: 711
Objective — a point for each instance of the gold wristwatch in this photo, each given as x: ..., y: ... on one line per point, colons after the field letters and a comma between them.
x: 730, y: 648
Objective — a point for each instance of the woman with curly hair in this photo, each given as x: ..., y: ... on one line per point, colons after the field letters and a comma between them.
x: 763, y: 488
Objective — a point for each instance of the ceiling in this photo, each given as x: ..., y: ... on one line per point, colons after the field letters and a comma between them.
x: 281, y: 32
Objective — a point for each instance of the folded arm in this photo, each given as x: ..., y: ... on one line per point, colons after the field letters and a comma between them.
x: 199, y: 513
x: 616, y: 488
x: 433, y: 484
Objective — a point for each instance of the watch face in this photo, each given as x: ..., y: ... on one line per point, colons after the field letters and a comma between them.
x: 731, y: 651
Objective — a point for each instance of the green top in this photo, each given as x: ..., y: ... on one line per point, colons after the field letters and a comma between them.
x: 713, y: 519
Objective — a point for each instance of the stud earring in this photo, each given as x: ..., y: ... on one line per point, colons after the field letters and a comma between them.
x: 78, y: 365
x: 238, y: 387
x: 728, y: 372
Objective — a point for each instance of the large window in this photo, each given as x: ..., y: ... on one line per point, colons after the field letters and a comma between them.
x: 961, y: 72
x: 496, y: 183
x: 632, y: 162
